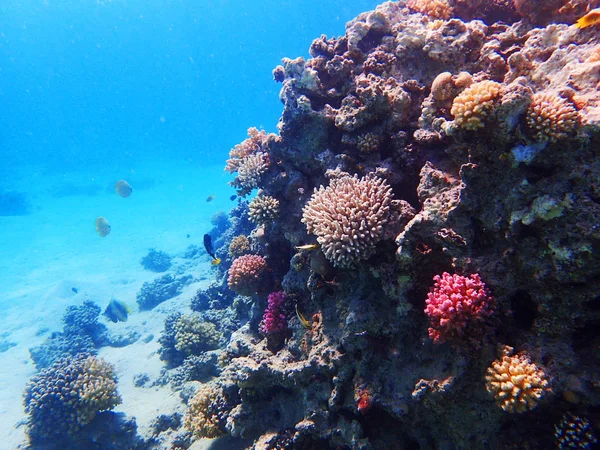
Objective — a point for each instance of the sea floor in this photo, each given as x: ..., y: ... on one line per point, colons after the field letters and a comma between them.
x: 52, y: 258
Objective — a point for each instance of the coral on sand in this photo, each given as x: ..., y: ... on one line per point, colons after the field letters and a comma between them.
x: 156, y: 261
x: 348, y: 217
x: 516, y: 383
x: 245, y: 274
x: 206, y: 414
x: 160, y: 290
x: 263, y: 209
x: 194, y: 336
x: 458, y: 307
x: 66, y: 396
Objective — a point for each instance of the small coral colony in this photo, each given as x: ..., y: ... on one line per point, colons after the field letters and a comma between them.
x: 420, y: 267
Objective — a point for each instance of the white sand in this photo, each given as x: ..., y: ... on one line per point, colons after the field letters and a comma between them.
x: 45, y: 254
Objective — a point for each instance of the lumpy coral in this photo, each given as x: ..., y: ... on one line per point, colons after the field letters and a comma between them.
x: 245, y: 274
x: 574, y: 432
x: 473, y: 106
x: 457, y: 307
x: 551, y: 118
x: 263, y: 209
x: 240, y: 245
x: 194, y: 336
x: 206, y: 415
x: 516, y: 383
x: 436, y: 9
x: 66, y: 396
x: 348, y: 217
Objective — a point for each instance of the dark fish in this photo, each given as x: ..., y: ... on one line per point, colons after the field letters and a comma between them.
x: 210, y: 198
x: 117, y: 311
x: 74, y: 289
x: 233, y: 197
x: 209, y: 249
x: 187, y: 235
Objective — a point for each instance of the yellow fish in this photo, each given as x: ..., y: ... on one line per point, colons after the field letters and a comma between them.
x: 216, y: 261
x: 591, y: 18
x: 305, y: 323
x: 307, y: 247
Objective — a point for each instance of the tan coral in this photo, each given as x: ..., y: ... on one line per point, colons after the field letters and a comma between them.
x: 551, y: 118
x: 245, y: 274
x: 256, y: 142
x: 516, y: 383
x: 240, y: 245
x: 204, y: 416
x: 250, y: 172
x: 263, y: 209
x: 348, y: 217
x: 368, y: 143
x: 473, y: 106
x: 436, y: 9
x: 194, y: 336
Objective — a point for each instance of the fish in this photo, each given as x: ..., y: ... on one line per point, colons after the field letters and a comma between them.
x: 591, y: 18
x: 233, y: 197
x: 210, y: 198
x: 102, y: 227
x: 123, y: 188
x: 209, y: 249
x: 117, y: 311
x: 74, y: 289
x: 307, y: 247
x: 305, y: 323
x: 187, y: 235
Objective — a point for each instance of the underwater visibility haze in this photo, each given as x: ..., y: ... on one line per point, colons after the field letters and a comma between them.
x: 299, y: 225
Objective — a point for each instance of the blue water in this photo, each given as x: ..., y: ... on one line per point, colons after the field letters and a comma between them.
x: 113, y: 82
x: 152, y: 91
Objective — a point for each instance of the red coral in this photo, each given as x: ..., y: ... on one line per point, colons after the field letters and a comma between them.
x: 274, y: 321
x: 458, y: 308
x: 245, y: 274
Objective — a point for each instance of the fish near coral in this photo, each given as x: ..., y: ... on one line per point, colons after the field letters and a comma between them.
x: 102, y: 227
x: 117, y: 311
x: 123, y: 188
x: 591, y: 18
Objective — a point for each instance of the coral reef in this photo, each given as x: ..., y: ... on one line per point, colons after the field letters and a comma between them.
x: 205, y: 415
x: 574, y: 432
x: 240, y: 245
x: 516, y: 383
x: 63, y: 398
x: 156, y: 261
x: 551, y: 118
x: 160, y: 290
x: 263, y: 209
x: 246, y: 274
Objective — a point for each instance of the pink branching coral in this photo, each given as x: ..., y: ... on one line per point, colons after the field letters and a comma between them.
x: 458, y: 307
x: 245, y: 274
x: 274, y: 321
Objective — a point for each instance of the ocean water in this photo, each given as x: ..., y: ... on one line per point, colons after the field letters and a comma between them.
x: 155, y: 92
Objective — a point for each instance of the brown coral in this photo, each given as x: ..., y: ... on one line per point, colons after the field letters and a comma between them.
x: 551, y: 118
x: 245, y: 274
x: 436, y: 9
x: 194, y: 336
x: 475, y: 104
x: 263, y: 209
x: 240, y: 245
x: 348, y: 217
x: 205, y: 415
x: 516, y: 383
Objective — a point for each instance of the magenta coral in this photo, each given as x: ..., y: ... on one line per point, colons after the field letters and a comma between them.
x: 245, y: 274
x: 274, y: 321
x: 458, y: 307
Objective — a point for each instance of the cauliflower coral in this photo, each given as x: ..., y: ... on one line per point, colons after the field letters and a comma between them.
x: 551, y: 118
x: 245, y: 274
x: 348, y: 217
x: 516, y: 383
x: 472, y: 107
x: 458, y: 307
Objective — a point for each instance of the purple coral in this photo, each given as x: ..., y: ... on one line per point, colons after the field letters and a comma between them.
x: 274, y: 321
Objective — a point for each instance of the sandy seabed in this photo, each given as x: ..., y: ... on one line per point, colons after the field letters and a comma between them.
x: 45, y: 254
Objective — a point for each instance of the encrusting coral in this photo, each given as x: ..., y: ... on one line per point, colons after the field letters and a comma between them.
x: 551, y: 118
x: 348, y: 217
x: 516, y: 383
x: 66, y: 396
x: 263, y: 209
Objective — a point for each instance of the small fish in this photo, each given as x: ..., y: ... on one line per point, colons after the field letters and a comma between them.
x: 307, y: 247
x: 187, y: 236
x: 102, y: 227
x: 233, y: 197
x: 305, y: 323
x: 117, y: 311
x: 123, y: 188
x: 591, y: 18
x: 209, y: 249
x: 210, y: 198
x: 74, y: 289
